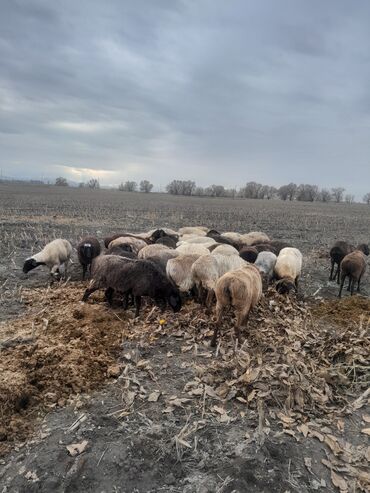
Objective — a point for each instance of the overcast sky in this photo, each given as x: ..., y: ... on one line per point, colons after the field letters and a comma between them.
x: 212, y: 90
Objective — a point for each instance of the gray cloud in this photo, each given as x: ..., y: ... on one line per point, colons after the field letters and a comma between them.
x: 210, y: 90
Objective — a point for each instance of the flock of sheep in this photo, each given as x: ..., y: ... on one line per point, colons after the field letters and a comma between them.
x: 166, y: 265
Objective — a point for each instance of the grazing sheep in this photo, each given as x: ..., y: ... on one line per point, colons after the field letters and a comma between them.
x: 197, y: 230
x: 55, y: 255
x: 159, y: 234
x: 109, y: 239
x: 87, y: 250
x: 212, y: 233
x: 265, y: 247
x: 219, y: 238
x: 179, y: 271
x: 288, y: 268
x: 122, y: 251
x: 150, y: 250
x: 192, y: 248
x: 198, y: 239
x: 337, y: 253
x: 155, y: 234
x: 249, y: 254
x: 234, y: 237
x: 265, y: 263
x: 240, y: 289
x: 207, y: 269
x: 169, y: 241
x: 223, y: 249
x: 254, y: 237
x: 278, y: 245
x: 353, y: 265
x: 136, y: 243
x: 137, y: 278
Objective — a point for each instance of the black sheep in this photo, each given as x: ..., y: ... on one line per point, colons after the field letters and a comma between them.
x: 87, y: 250
x: 136, y: 277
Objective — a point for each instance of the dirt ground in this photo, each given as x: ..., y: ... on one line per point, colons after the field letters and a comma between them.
x: 150, y: 406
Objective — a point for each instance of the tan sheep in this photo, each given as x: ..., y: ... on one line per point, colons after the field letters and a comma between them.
x: 240, y: 289
x: 135, y: 243
x: 254, y: 237
x: 152, y: 250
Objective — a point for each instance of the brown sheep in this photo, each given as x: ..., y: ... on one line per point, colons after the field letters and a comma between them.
x: 241, y: 289
x: 353, y: 265
x: 337, y: 253
x: 249, y: 254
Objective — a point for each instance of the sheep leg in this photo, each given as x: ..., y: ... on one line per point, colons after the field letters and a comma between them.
x: 125, y: 300
x: 349, y: 283
x: 332, y: 271
x: 240, y: 319
x: 296, y: 284
x: 84, y: 269
x: 219, y: 313
x: 358, y: 284
x: 88, y: 292
x: 352, y: 285
x: 138, y: 305
x: 338, y: 273
x: 109, y: 292
x: 209, y: 298
x: 341, y: 286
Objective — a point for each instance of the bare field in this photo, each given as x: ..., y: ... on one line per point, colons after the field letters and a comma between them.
x: 159, y: 410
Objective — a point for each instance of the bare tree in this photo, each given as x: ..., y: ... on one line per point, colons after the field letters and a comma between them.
x: 307, y: 193
x: 287, y: 192
x: 128, y: 186
x: 146, y: 186
x: 338, y: 193
x: 349, y: 198
x: 181, y: 187
x: 366, y: 198
x: 325, y: 195
x: 93, y: 183
x: 199, y: 191
x: 61, y: 182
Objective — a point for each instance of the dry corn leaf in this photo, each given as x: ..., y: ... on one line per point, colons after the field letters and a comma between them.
x: 366, y: 418
x: 77, y: 448
x: 366, y: 431
x: 339, y: 482
x: 154, y: 396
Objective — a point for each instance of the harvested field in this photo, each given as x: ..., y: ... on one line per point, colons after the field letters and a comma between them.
x: 158, y: 409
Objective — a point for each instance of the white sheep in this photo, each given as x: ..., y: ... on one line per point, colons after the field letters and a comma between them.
x: 55, y: 255
x: 265, y: 263
x: 199, y: 240
x: 178, y: 270
x: 224, y: 249
x: 207, y: 269
x: 198, y: 230
x: 192, y: 248
x: 240, y: 289
x: 288, y: 269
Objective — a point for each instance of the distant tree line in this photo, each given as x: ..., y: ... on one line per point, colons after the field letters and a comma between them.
x: 251, y: 190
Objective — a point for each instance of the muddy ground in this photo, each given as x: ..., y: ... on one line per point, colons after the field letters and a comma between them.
x: 128, y: 395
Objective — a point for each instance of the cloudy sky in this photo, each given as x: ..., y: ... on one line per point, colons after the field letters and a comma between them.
x: 212, y: 90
